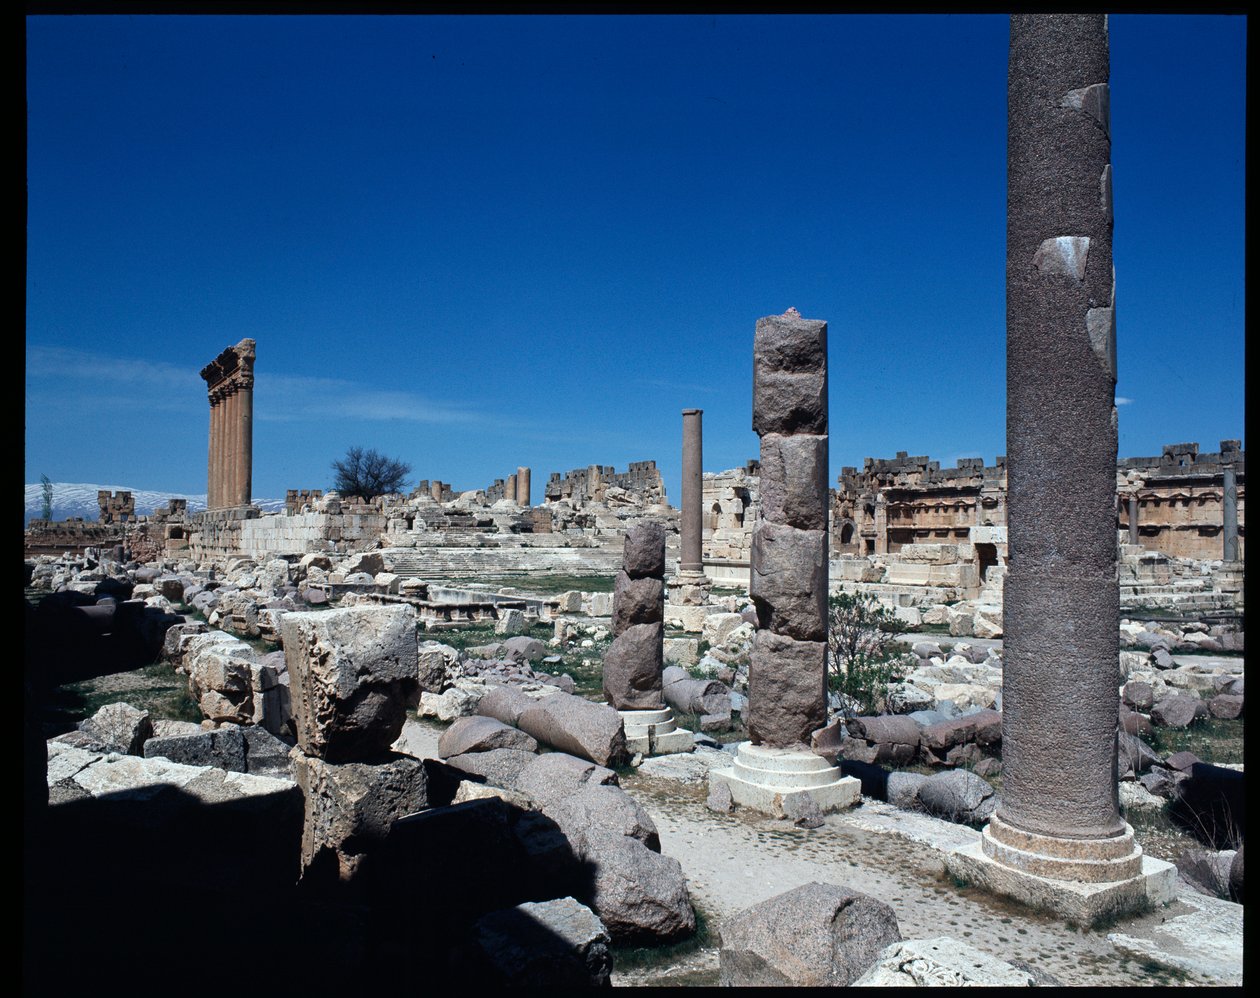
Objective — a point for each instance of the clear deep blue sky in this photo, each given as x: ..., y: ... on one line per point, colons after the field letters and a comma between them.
x: 482, y: 242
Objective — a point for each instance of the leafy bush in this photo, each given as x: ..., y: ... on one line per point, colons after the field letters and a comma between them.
x: 862, y: 663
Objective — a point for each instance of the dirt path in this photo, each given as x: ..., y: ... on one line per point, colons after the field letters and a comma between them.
x: 734, y: 861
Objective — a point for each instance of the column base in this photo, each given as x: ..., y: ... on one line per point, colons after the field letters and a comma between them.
x: 655, y: 732
x: 1081, y: 880
x: 765, y: 779
x: 690, y: 589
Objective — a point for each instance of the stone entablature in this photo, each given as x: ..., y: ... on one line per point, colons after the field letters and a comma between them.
x: 116, y: 507
x: 641, y: 479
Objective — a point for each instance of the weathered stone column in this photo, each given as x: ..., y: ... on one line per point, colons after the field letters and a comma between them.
x: 635, y: 659
x: 881, y: 523
x: 787, y: 673
x: 213, y: 455
x: 522, y: 486
x: 1057, y: 837
x: 509, y: 488
x: 232, y: 439
x: 1229, y: 512
x: 245, y: 421
x: 435, y: 491
x: 1134, y: 505
x: 691, y: 553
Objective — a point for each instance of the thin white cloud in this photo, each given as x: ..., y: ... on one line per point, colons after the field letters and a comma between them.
x: 1121, y: 400
x: 283, y: 398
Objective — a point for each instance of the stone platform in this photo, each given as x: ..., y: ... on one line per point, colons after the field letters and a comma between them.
x: 766, y: 779
x: 655, y: 732
x: 1082, y: 880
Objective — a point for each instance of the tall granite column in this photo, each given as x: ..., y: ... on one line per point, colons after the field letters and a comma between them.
x: 788, y: 663
x: 1134, y: 506
x: 1059, y: 723
x: 1229, y: 511
x: 634, y: 660
x: 522, y: 486
x: 691, y: 555
x: 1057, y: 839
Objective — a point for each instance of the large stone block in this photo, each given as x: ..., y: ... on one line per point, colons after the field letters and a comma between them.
x: 786, y: 690
x: 118, y: 727
x: 794, y: 480
x: 818, y: 935
x: 555, y: 775
x: 590, y: 730
x: 789, y: 343
x: 549, y: 944
x: 788, y: 403
x: 481, y: 734
x: 637, y: 601
x: 632, y: 667
x: 353, y: 673
x: 788, y: 580
x: 644, y: 553
x: 350, y: 807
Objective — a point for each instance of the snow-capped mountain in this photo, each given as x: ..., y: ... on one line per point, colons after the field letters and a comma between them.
x: 79, y: 499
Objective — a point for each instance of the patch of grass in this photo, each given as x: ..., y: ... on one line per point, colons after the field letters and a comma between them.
x: 638, y: 957
x: 1211, y: 739
x: 157, y: 688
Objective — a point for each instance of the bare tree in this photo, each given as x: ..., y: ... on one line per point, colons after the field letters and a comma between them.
x: 368, y: 473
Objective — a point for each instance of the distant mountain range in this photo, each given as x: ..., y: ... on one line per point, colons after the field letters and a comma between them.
x: 79, y: 499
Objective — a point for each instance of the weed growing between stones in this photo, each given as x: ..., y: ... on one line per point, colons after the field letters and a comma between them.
x: 1211, y: 739
x: 861, y: 636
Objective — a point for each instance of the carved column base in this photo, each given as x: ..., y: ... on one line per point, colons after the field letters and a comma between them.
x: 655, y: 732
x: 1081, y: 880
x: 766, y: 779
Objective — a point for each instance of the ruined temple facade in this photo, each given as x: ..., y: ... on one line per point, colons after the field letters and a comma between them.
x: 912, y: 500
x: 230, y: 387
x: 641, y: 479
x: 1179, y: 498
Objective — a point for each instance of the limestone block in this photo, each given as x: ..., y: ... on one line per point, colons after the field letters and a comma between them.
x: 817, y: 935
x: 350, y: 807
x: 511, y: 622
x: 632, y: 667
x: 353, y: 674
x: 718, y: 627
x: 786, y: 696
x: 435, y: 662
x: 941, y: 962
x: 788, y: 580
x: 794, y: 480
x: 118, y: 727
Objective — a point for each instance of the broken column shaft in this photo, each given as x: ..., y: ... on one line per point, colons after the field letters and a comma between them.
x: 1229, y: 511
x: 691, y: 556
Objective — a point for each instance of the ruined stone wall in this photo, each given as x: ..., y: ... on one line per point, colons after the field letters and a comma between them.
x: 245, y: 532
x: 116, y: 507
x: 65, y: 536
x: 295, y: 499
x: 641, y: 479
x: 730, y: 500
x: 1180, y: 497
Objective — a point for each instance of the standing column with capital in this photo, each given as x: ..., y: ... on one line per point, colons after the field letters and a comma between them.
x: 230, y: 389
x: 1057, y: 839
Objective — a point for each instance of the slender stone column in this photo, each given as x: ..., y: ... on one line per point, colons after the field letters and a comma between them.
x: 1134, y: 505
x: 220, y: 463
x: 212, y: 455
x: 509, y: 488
x: 435, y: 490
x: 233, y: 448
x: 788, y: 663
x: 522, y: 486
x: 1061, y: 586
x: 1229, y: 510
x: 245, y: 417
x: 691, y: 555
x: 881, y: 524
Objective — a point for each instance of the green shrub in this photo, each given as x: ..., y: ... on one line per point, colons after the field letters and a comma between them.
x: 859, y: 645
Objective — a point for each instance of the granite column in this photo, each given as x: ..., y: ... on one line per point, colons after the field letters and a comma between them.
x: 1229, y: 513
x: 691, y: 555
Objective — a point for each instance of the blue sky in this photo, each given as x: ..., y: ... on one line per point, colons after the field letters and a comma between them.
x: 482, y: 242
